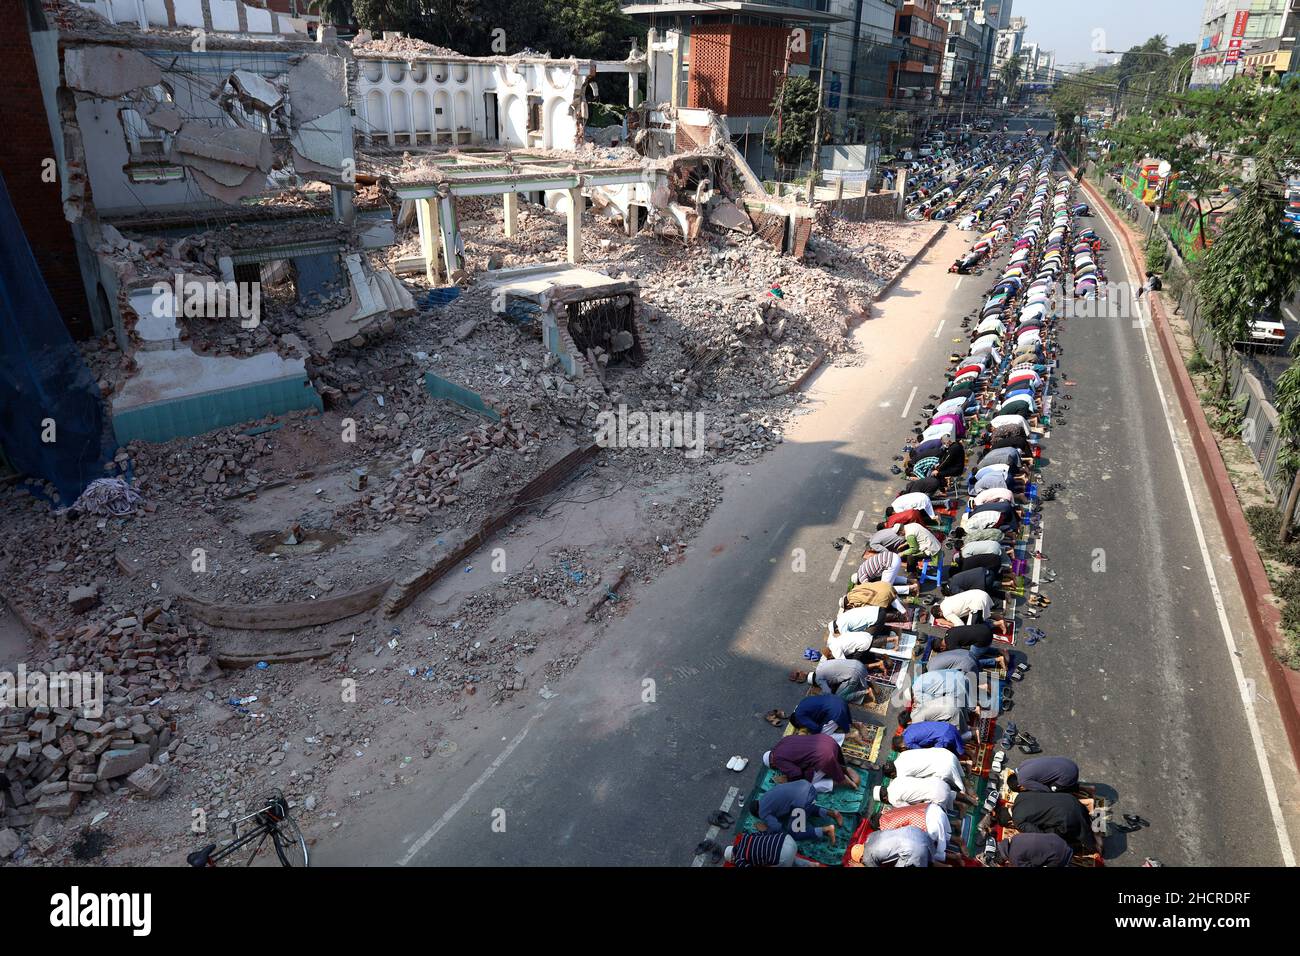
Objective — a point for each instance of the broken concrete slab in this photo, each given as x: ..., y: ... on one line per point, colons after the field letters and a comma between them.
x: 108, y: 72
x: 83, y: 598
x: 254, y: 184
x: 261, y: 92
x: 120, y: 763
x: 727, y: 215
x: 150, y: 781
x: 165, y: 117
x: 316, y: 87
x: 245, y: 148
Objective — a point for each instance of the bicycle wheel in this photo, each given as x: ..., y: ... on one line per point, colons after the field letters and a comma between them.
x: 290, y: 846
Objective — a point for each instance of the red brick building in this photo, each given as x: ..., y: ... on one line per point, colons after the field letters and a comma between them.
x: 27, y: 155
x: 735, y: 68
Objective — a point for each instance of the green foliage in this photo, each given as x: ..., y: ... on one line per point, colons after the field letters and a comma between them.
x: 1288, y: 589
x: 1157, y: 253
x: 338, y: 12
x: 594, y: 29
x: 603, y: 114
x: 1198, y: 363
x: 377, y: 15
x: 1254, y: 264
x: 797, y: 105
x: 1265, y: 522
x: 1225, y: 415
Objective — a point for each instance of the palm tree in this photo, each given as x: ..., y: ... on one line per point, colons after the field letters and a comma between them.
x: 1011, y: 76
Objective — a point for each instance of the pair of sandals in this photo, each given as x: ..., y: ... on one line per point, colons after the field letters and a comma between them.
x: 1027, y: 742
x: 1018, y: 673
x: 1132, y: 823
x: 1034, y: 635
x: 710, y: 849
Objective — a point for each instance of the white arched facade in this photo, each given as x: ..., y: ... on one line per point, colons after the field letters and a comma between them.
x: 446, y: 101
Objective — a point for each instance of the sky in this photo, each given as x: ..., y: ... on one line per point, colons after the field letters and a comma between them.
x: 1070, y: 27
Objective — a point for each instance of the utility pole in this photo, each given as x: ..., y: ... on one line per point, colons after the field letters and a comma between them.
x: 785, y: 75
x: 817, y: 125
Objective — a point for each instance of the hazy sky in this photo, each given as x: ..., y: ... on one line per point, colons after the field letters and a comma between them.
x: 1067, y: 26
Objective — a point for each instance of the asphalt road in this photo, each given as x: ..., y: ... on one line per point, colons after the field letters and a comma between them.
x: 1134, y: 679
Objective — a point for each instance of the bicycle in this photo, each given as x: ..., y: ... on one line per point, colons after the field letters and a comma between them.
x: 273, y: 821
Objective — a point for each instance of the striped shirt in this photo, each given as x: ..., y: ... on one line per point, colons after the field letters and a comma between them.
x: 875, y: 564
x: 759, y: 849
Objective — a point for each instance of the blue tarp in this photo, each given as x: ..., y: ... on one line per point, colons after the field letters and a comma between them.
x: 43, y: 378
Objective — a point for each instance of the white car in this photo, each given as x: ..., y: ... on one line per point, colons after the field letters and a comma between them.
x: 1266, y: 332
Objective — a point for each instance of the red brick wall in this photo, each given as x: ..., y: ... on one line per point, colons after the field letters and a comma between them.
x: 735, y: 67
x: 24, y: 145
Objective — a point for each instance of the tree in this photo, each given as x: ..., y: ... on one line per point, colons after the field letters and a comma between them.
x: 1253, y: 266
x: 595, y: 28
x: 1011, y: 77
x: 338, y: 12
x: 797, y: 104
x: 894, y: 125
x: 376, y: 15
x: 1069, y: 99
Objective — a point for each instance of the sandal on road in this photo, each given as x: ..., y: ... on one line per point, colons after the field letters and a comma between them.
x: 709, y: 849
x: 721, y: 818
x: 776, y: 717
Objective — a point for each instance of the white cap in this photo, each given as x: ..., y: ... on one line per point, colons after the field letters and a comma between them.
x: 766, y: 755
x: 728, y: 853
x: 875, y: 792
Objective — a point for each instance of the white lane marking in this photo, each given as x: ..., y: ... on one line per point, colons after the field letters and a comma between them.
x: 712, y: 834
x: 940, y: 328
x: 857, y: 523
x: 1234, y: 656
x: 959, y: 282
x: 908, y: 404
x: 484, y: 777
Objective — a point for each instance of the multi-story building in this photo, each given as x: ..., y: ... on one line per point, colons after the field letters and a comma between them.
x: 997, y: 13
x: 923, y: 34
x: 731, y: 55
x: 861, y: 49
x: 968, y: 55
x: 1009, y: 43
x: 1245, y: 36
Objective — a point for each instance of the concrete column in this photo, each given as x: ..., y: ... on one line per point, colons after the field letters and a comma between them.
x: 512, y: 213
x: 575, y: 225
x: 344, y: 208
x: 448, y: 234
x: 900, y: 183
x: 632, y: 221
x: 426, y: 215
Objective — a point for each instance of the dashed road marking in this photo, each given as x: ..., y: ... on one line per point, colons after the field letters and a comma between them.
x: 908, y: 404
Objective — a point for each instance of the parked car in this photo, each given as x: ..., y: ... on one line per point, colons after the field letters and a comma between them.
x: 1267, y: 331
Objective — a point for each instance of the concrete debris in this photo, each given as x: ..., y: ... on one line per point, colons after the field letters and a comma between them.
x: 317, y: 86
x: 256, y: 90
x: 53, y: 758
x: 108, y: 72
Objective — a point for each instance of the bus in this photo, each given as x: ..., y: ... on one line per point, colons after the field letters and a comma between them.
x: 1142, y: 182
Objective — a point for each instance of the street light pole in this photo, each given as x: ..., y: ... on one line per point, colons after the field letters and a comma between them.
x: 817, y: 125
